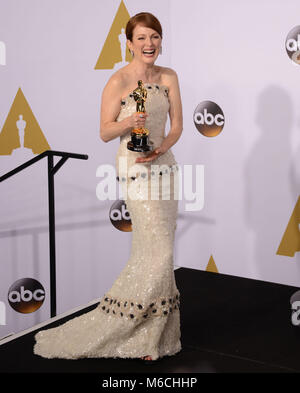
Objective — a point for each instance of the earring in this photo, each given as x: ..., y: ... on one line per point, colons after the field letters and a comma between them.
x: 160, y: 50
x: 132, y: 53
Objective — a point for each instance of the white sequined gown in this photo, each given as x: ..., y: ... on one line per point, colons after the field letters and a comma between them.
x: 139, y: 315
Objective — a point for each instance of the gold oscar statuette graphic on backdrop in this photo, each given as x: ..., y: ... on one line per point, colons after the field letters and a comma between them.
x: 114, y: 49
x: 21, y: 118
x: 139, y: 136
x: 211, y: 266
x: 290, y: 242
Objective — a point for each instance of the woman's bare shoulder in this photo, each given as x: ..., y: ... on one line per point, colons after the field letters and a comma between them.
x: 117, y: 81
x: 168, y: 76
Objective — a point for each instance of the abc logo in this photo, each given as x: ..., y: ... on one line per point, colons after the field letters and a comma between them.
x: 292, y: 44
x: 119, y: 216
x: 209, y: 118
x: 26, y: 295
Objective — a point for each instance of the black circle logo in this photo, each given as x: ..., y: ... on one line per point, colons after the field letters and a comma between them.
x: 119, y: 216
x: 26, y: 295
x: 209, y: 118
x: 292, y: 44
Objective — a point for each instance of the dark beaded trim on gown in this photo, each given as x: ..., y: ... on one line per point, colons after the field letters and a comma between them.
x: 168, y: 169
x: 134, y: 310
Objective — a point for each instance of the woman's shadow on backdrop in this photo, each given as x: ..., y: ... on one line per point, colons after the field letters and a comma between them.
x: 270, y: 179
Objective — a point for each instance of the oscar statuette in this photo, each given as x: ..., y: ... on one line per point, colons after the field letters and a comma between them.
x: 140, y: 136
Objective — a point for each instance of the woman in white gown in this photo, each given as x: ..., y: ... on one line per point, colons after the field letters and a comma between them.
x: 139, y: 316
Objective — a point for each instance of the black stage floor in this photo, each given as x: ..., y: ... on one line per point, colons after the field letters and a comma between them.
x: 229, y: 324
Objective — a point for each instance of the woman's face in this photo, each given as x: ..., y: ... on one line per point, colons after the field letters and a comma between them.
x: 145, y: 44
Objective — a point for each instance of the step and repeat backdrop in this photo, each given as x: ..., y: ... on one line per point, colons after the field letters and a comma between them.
x: 238, y: 65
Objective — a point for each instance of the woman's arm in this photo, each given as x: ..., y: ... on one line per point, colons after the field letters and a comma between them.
x: 175, y: 112
x: 110, y: 109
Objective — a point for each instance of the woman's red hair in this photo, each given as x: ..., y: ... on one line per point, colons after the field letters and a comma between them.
x: 145, y: 19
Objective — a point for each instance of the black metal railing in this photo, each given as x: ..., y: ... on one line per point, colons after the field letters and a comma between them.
x: 52, y: 169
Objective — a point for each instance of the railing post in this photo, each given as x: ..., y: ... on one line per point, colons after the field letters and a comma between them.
x: 51, y: 203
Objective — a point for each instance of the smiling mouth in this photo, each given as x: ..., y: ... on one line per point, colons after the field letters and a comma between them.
x: 149, y: 52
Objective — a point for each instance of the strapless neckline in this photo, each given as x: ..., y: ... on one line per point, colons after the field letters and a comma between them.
x: 146, y: 84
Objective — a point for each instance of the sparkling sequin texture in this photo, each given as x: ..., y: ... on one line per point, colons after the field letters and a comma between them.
x: 139, y: 315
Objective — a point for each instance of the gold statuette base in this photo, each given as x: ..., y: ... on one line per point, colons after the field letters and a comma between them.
x: 140, y: 140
